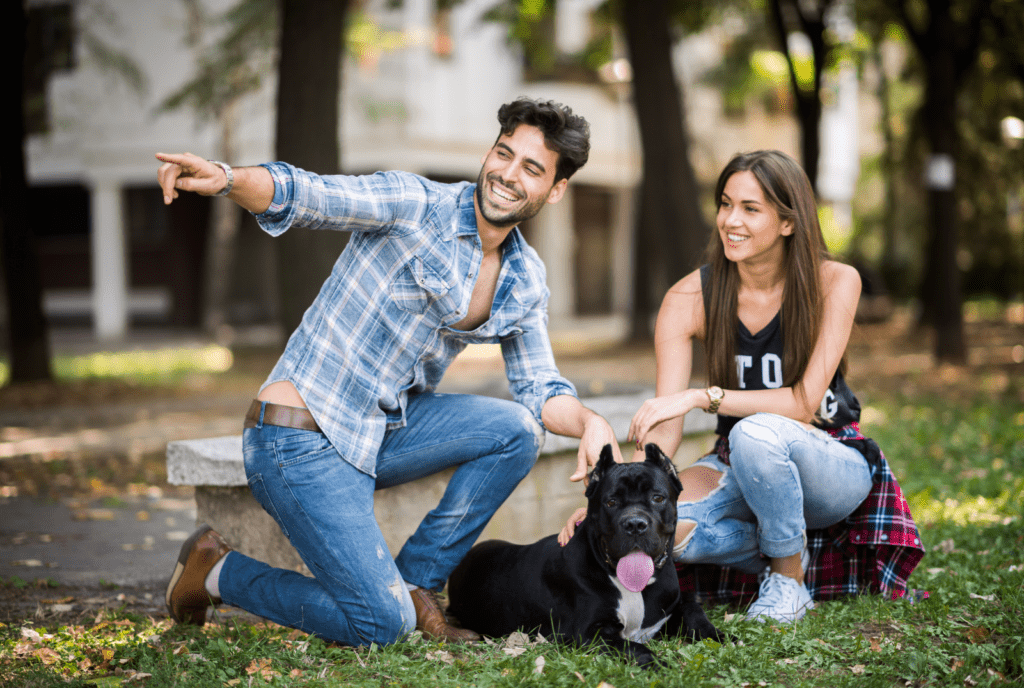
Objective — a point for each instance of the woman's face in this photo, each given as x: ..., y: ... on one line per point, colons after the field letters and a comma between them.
x: 748, y: 225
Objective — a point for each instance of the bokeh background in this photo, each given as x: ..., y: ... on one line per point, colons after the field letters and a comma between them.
x: 906, y: 115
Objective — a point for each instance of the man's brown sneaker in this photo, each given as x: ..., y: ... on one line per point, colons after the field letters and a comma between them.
x: 187, y: 599
x: 432, y: 621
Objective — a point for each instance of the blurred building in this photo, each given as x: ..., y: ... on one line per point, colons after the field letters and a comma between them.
x: 420, y: 93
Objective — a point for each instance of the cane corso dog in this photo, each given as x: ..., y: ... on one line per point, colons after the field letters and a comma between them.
x: 613, y: 584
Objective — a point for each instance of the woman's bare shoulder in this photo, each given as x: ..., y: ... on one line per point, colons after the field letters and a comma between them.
x: 835, y: 274
x: 687, y: 287
x: 682, y: 310
x: 841, y: 282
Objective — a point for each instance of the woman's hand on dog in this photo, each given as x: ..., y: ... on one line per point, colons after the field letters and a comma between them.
x: 570, y: 526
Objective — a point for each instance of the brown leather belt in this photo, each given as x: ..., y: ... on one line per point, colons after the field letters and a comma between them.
x: 280, y: 415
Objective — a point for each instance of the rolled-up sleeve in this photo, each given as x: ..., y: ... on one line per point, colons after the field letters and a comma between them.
x: 530, y: 366
x: 341, y: 202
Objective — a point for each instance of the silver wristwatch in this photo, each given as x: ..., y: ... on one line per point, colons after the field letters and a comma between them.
x: 230, y: 175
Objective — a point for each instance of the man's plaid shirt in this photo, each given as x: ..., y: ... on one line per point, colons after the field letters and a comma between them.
x: 380, y: 328
x: 874, y: 550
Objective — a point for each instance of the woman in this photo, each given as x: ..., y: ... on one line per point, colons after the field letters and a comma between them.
x: 774, y: 312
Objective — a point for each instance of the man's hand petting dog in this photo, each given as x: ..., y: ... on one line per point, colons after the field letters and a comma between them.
x: 613, y: 583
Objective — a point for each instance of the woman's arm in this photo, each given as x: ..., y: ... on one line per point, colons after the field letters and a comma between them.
x: 680, y: 320
x: 800, y: 402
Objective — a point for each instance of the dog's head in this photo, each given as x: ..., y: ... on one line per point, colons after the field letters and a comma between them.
x: 633, y: 506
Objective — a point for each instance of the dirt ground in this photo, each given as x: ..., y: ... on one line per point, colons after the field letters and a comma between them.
x: 105, y: 439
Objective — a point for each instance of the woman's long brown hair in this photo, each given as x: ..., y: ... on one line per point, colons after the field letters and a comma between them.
x: 787, y: 189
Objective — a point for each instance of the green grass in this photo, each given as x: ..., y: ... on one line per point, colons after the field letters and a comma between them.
x: 960, y: 466
x: 143, y: 366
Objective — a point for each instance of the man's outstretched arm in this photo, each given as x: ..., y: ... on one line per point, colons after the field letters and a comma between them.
x: 253, y: 187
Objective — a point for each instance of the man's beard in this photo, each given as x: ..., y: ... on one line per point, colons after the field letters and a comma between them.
x: 509, y: 218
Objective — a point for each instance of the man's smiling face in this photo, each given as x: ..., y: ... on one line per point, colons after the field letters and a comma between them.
x: 517, y: 178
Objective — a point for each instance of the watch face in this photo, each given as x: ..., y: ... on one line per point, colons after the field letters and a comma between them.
x: 715, y: 392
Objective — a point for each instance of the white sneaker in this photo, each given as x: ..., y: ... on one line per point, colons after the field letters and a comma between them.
x: 780, y: 599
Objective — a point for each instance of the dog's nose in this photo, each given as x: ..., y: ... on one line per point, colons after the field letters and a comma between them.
x: 636, y: 525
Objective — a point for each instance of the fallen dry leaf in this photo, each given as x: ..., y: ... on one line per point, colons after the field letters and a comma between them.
x: 46, y: 655
x: 978, y: 634
x: 517, y: 639
x: 857, y: 669
x: 441, y: 656
x: 538, y: 665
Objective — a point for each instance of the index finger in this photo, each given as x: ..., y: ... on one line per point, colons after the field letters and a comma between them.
x: 174, y: 158
x: 581, y: 466
x: 168, y: 174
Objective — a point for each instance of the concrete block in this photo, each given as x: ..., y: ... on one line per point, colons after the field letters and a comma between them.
x: 539, y: 506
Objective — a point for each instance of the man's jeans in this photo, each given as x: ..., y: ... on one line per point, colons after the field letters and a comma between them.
x: 782, y: 479
x: 325, y: 508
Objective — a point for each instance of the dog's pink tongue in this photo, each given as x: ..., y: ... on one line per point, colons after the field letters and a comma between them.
x: 634, y: 570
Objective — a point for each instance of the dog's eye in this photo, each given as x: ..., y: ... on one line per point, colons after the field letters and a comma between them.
x: 658, y: 499
x: 610, y: 503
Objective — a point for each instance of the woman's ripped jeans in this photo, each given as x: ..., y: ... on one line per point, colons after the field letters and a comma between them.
x: 783, y: 478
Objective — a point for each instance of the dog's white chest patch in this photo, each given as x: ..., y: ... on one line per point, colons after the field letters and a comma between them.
x: 631, y: 614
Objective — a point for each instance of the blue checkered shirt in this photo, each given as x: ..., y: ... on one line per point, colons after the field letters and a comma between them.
x: 380, y: 328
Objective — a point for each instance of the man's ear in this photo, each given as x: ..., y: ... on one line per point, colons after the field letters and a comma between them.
x: 557, y: 191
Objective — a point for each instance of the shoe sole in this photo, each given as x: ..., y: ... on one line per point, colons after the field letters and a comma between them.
x: 198, y: 618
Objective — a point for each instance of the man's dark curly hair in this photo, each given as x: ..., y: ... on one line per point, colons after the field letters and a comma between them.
x: 564, y: 133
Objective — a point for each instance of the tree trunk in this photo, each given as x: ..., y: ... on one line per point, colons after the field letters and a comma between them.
x: 941, y: 291
x: 27, y: 327
x: 309, y: 84
x: 222, y: 240
x: 671, y: 232
x: 810, y: 20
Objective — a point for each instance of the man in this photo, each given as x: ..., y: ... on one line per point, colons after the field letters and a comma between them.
x: 350, y: 407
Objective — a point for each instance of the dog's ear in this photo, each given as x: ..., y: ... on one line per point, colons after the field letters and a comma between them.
x: 604, y: 462
x: 657, y: 457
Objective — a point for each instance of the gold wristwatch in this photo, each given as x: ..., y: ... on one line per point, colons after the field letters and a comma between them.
x: 715, y: 395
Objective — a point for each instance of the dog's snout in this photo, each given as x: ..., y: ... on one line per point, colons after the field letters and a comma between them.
x: 636, y: 525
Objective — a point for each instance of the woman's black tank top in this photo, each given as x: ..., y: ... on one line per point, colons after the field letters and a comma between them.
x: 759, y: 366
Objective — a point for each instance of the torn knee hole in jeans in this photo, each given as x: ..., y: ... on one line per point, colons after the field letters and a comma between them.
x: 684, y: 539
x: 759, y: 432
x: 708, y: 479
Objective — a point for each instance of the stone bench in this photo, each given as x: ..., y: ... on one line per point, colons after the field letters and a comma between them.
x: 538, y: 507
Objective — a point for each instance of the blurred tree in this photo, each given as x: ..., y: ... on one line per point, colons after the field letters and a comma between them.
x: 306, y: 135
x: 671, y: 231
x: 27, y: 328
x: 230, y: 68
x: 52, y: 33
x: 807, y: 18
x: 304, y: 36
x: 990, y: 185
x: 948, y: 44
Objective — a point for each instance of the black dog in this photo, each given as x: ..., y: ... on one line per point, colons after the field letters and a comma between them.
x: 572, y: 594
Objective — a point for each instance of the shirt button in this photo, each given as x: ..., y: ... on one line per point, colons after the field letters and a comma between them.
x: 883, y: 537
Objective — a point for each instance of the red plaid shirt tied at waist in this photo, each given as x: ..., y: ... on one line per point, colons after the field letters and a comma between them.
x: 874, y: 550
